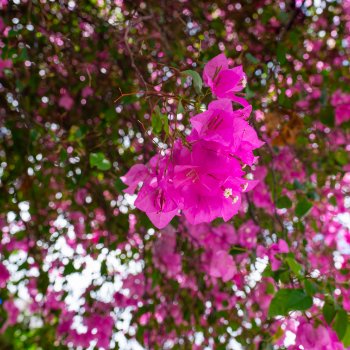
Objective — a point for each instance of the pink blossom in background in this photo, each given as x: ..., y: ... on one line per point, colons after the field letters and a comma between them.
x: 66, y: 102
x: 4, y: 64
x: 165, y: 256
x: 87, y: 91
x: 80, y: 196
x: 12, y: 314
x: 3, y: 4
x: 341, y: 103
x: 222, y: 266
x: 312, y: 336
x: 4, y: 275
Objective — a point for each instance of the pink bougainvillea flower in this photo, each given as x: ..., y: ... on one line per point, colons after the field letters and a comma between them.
x: 210, y: 184
x: 4, y: 64
x: 157, y: 197
x: 2, y: 25
x: 247, y: 234
x: 165, y: 256
x: 214, y: 125
x: 3, y: 4
x: 341, y: 103
x: 4, y: 275
x: 134, y: 176
x: 234, y: 187
x: 206, y: 180
x: 225, y: 82
x: 202, y: 177
x: 218, y: 123
x: 81, y: 195
x: 261, y: 195
x: 87, y: 91
x: 66, y: 102
x: 12, y: 314
x: 245, y: 140
x: 312, y: 336
x: 159, y: 201
x: 277, y: 248
x: 272, y: 253
x: 206, y: 168
x: 213, y: 67
x: 222, y: 266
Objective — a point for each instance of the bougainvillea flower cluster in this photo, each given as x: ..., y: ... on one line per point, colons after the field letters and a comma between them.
x: 202, y: 177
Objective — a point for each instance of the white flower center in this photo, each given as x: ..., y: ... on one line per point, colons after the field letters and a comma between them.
x: 244, y: 82
x: 228, y: 192
x: 235, y: 199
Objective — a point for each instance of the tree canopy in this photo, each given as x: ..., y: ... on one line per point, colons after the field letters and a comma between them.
x: 174, y: 174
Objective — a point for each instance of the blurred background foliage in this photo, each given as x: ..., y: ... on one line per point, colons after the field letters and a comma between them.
x: 76, y: 114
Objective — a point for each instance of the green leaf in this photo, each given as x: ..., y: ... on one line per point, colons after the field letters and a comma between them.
x: 249, y: 93
x: 283, y: 17
x: 282, y: 96
x: 333, y: 200
x: 298, y: 185
x: 268, y: 272
x: 180, y: 108
x: 110, y: 114
x: 328, y: 312
x: 157, y: 121
x: 282, y: 276
x: 139, y: 333
x: 69, y: 268
x: 156, y: 278
x: 99, y: 161
x: 313, y: 195
x: 270, y: 288
x: 346, y: 338
x: 294, y: 265
x: 103, y: 268
x: 286, y: 300
x: 340, y: 323
x: 251, y: 58
x: 234, y: 325
x: 34, y: 134
x: 294, y: 37
x: 310, y: 287
x: 196, y: 78
x: 23, y: 56
x: 267, y: 14
x: 75, y: 133
x: 283, y: 202
x: 160, y: 122
x: 281, y: 54
x: 237, y: 249
x: 43, y: 282
x: 119, y: 185
x: 327, y: 116
x: 63, y: 155
x: 341, y: 157
x: 303, y: 207
x: 165, y: 124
